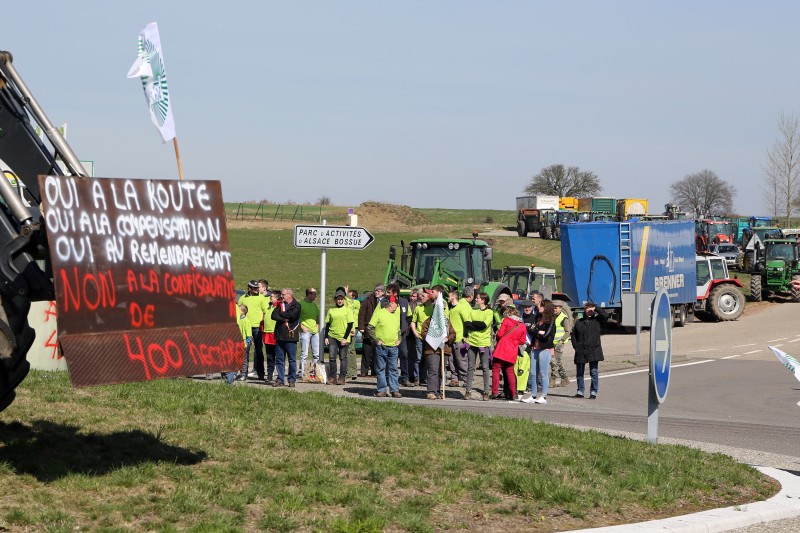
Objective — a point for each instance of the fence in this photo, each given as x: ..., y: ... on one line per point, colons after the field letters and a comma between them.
x: 291, y: 213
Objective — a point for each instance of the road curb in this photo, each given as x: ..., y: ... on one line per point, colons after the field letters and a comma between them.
x: 785, y: 504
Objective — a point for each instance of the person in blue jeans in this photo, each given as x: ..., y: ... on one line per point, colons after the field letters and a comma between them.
x: 287, y: 323
x: 544, y: 332
x: 588, y: 350
x: 384, y: 329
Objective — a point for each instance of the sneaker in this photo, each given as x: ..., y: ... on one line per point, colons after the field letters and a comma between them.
x: 593, y: 396
x: 241, y: 377
x: 396, y: 394
x: 291, y: 384
x: 333, y: 381
x: 529, y: 399
x: 578, y: 395
x: 497, y: 397
x: 277, y: 384
x: 468, y: 395
x: 253, y: 375
x: 381, y: 394
x: 540, y: 399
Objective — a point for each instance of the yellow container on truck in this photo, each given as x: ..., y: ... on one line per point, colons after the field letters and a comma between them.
x: 631, y: 207
x: 568, y: 202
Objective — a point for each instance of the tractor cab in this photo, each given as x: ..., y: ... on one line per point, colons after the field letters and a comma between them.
x: 522, y: 281
x: 451, y: 263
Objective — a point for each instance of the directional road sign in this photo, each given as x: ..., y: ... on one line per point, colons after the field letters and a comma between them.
x: 341, y: 237
x: 660, y: 345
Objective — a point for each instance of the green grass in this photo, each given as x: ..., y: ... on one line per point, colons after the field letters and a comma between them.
x: 465, y: 217
x: 270, y: 254
x: 183, y: 455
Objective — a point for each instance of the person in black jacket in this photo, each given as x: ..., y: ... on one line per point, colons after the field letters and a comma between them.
x: 586, y: 341
x: 286, y: 315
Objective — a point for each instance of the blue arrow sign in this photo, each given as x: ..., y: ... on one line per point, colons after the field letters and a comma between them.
x: 660, y: 345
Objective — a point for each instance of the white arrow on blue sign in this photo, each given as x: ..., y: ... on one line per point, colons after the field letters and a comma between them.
x: 660, y: 345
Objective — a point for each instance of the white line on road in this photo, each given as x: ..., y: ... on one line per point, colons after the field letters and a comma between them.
x: 794, y: 340
x: 754, y: 351
x: 648, y: 370
x: 704, y: 350
x: 781, y: 339
x: 777, y: 345
x: 732, y: 356
x: 743, y: 345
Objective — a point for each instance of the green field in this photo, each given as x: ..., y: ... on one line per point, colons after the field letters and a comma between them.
x: 184, y: 455
x: 270, y: 254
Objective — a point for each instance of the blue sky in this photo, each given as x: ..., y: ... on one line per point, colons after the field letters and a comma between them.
x: 429, y: 104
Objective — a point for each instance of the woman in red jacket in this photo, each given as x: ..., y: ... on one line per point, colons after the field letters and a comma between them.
x: 510, y: 337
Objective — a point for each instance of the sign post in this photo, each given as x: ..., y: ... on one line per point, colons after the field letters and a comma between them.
x: 324, y: 237
x: 660, y: 360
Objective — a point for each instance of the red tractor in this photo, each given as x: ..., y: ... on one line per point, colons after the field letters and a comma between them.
x: 711, y: 231
x: 719, y: 297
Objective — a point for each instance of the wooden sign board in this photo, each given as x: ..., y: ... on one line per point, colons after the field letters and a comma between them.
x: 143, y: 278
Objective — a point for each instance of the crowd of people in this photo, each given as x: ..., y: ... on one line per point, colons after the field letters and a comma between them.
x: 434, y: 339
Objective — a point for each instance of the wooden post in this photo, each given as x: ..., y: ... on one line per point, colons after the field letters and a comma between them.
x: 178, y: 157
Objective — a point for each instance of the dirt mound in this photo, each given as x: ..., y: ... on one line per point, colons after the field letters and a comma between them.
x: 380, y: 215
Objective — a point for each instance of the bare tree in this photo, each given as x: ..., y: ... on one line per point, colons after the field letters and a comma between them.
x: 782, y: 172
x: 703, y: 192
x: 559, y: 181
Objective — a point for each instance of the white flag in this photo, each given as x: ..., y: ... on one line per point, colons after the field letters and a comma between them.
x: 437, y: 329
x: 788, y: 361
x: 149, y: 67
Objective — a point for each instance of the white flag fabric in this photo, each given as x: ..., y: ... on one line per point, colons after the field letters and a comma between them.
x: 437, y: 330
x: 788, y: 361
x: 149, y: 67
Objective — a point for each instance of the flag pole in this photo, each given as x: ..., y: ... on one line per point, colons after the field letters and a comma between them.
x: 178, y: 157
x: 443, y: 374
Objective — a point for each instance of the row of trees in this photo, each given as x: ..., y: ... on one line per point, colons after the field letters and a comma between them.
x: 702, y: 192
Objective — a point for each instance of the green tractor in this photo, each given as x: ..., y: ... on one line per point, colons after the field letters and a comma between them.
x: 775, y: 266
x: 451, y: 263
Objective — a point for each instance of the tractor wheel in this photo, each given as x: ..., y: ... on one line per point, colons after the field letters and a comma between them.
x: 740, y: 262
x: 547, y: 233
x: 726, y: 302
x: 522, y: 228
x: 16, y: 338
x: 795, y: 292
x: 755, y: 287
x: 680, y: 318
x: 557, y: 233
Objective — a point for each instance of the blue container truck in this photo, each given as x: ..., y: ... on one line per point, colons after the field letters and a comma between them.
x: 602, y: 261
